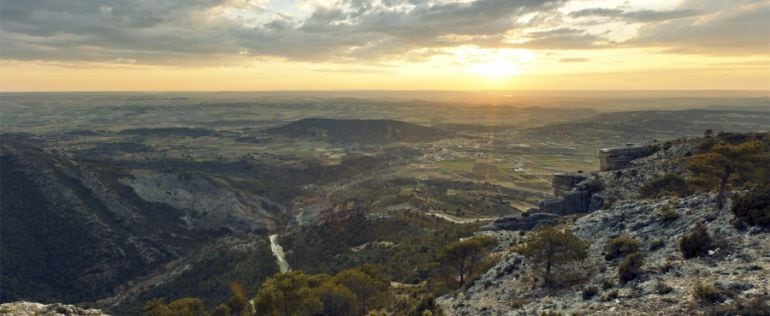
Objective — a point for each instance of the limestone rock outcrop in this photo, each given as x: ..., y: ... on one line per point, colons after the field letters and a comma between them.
x: 521, y: 222
x: 733, y: 267
x: 37, y: 309
x: 618, y: 157
x: 565, y: 182
x: 574, y: 192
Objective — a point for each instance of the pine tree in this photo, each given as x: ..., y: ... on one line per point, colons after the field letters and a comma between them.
x: 551, y: 246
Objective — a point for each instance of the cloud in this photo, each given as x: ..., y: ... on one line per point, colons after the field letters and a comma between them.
x: 636, y: 16
x: 562, y: 38
x: 178, y: 31
x: 197, y: 32
x: 574, y: 60
x: 729, y: 27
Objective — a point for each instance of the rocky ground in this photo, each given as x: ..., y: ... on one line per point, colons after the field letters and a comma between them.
x: 737, y: 263
x: 37, y: 309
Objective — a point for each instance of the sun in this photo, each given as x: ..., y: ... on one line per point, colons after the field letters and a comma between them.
x: 493, y: 63
x: 497, y: 69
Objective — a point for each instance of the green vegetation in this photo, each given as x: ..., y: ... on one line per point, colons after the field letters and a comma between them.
x: 619, y: 247
x: 589, y: 292
x: 662, y: 288
x: 552, y: 247
x: 405, y: 244
x: 757, y: 306
x: 671, y: 184
x: 630, y: 268
x: 611, y: 295
x: 696, y: 243
x: 753, y: 207
x: 667, y: 214
x: 732, y: 161
x: 226, y: 141
x: 210, y: 276
x: 707, y: 293
x: 181, y: 307
x: 358, y: 291
x: 460, y: 258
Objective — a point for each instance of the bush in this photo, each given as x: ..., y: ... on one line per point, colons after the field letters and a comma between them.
x: 621, y: 246
x: 753, y: 208
x: 756, y: 306
x: 657, y: 244
x: 696, y: 243
x: 589, y: 292
x: 630, y: 268
x: 662, y: 288
x: 520, y: 302
x: 707, y: 293
x: 667, y: 214
x: 611, y: 295
x: 667, y: 184
x: 666, y: 266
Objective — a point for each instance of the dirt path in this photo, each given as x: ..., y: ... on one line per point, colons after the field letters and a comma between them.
x: 280, y: 257
x: 458, y: 220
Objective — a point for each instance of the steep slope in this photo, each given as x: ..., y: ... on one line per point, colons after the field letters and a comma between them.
x: 731, y: 276
x: 348, y: 131
x: 74, y: 231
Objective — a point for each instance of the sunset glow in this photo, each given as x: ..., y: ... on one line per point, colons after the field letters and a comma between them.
x: 403, y: 45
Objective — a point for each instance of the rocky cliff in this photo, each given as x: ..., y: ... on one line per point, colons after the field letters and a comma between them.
x: 730, y: 277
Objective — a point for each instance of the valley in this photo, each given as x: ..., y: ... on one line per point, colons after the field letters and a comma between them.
x: 186, y: 195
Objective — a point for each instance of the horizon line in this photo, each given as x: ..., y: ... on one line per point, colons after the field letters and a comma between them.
x: 385, y: 90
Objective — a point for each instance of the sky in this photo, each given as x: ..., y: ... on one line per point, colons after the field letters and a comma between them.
x: 245, y: 45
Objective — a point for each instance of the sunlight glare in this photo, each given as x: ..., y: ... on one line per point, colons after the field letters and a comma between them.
x: 494, y: 63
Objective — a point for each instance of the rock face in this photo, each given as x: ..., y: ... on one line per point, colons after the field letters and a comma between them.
x: 37, y: 309
x: 737, y: 261
x: 208, y: 205
x: 575, y: 193
x: 72, y: 224
x: 565, y: 182
x: 618, y: 157
x: 521, y: 222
